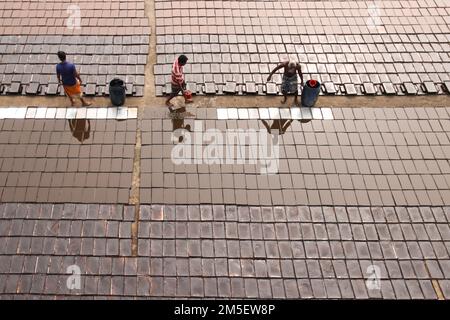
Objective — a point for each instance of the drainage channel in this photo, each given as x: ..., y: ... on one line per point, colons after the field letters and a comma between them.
x: 149, y: 94
x: 135, y: 184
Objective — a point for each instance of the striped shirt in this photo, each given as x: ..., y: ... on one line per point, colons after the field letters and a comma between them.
x: 177, y: 73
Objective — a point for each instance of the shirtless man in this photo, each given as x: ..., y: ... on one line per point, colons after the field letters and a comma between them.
x: 290, y: 80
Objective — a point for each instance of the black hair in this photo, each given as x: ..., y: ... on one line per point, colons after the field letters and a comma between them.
x: 182, y: 59
x: 62, y: 56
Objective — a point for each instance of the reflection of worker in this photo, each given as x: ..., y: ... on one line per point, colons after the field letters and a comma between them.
x: 278, y: 126
x: 80, y: 128
x: 290, y: 80
x: 178, y: 121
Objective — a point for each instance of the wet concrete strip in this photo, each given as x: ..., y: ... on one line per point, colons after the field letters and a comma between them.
x: 135, y: 185
x: 240, y: 101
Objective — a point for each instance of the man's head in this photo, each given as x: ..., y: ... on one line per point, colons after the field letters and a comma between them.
x: 62, y: 56
x: 292, y: 64
x: 182, y: 60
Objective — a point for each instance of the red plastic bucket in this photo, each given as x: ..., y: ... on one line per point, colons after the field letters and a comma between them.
x: 312, y: 83
x: 310, y: 93
x: 187, y: 95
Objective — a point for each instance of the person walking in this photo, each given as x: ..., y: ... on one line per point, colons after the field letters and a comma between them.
x: 178, y: 83
x: 69, y: 77
x: 290, y: 81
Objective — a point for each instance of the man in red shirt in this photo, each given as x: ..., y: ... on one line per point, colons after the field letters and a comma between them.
x: 178, y: 83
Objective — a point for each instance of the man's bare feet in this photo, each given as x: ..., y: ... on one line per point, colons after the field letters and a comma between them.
x: 284, y: 100
x: 87, y: 104
x: 296, y: 103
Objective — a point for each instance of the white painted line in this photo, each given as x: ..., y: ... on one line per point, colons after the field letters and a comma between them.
x: 8, y: 114
x: 306, y: 113
x: 317, y: 114
x: 112, y: 113
x: 296, y: 113
x: 31, y: 113
x: 20, y: 113
x: 253, y: 113
x: 264, y: 114
x: 61, y: 113
x: 327, y: 114
x: 243, y: 113
x: 132, y: 113
x: 51, y: 113
x: 81, y: 113
x: 101, y: 113
x: 71, y: 113
x: 122, y: 113
x: 233, y: 113
x: 5, y: 113
x: 222, y: 114
x: 91, y: 113
x: 40, y: 113
x: 274, y: 113
x: 284, y: 113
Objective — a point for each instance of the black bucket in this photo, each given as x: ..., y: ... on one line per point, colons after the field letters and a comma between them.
x: 117, y: 90
x: 310, y: 93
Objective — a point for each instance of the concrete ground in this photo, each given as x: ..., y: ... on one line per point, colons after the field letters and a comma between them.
x: 94, y: 205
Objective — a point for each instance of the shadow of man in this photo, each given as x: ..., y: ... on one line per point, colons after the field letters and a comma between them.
x: 279, y: 126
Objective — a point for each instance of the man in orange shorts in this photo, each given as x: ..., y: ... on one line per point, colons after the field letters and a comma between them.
x: 69, y: 77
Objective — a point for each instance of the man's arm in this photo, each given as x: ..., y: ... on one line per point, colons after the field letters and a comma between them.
x: 280, y: 66
x: 77, y: 75
x: 299, y: 70
x: 58, y: 75
x: 182, y: 86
